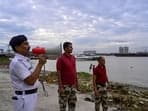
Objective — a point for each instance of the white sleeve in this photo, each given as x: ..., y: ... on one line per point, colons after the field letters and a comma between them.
x: 20, y: 70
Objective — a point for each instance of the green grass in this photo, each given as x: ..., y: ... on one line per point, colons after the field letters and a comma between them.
x: 4, y: 60
x: 85, y: 82
x: 84, y: 74
x: 122, y: 96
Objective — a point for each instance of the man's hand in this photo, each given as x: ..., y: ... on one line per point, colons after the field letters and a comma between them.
x: 96, y: 93
x: 61, y: 90
x: 42, y: 59
x: 78, y: 88
x: 108, y: 87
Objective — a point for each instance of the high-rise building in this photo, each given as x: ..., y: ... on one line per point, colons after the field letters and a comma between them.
x: 123, y: 50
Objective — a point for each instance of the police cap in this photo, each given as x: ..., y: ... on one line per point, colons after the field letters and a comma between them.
x: 17, y: 40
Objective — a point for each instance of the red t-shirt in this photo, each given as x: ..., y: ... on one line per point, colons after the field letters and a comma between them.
x: 101, y: 76
x: 66, y: 64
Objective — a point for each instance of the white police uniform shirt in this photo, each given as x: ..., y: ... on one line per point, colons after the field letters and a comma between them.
x: 20, y: 68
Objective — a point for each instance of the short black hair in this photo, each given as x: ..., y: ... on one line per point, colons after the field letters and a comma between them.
x: 99, y: 58
x: 66, y: 44
x: 17, y: 41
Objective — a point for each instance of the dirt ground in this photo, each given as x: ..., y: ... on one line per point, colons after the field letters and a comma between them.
x: 49, y: 103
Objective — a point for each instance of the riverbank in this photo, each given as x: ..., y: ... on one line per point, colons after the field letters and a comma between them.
x: 122, y: 97
x: 49, y: 103
x: 45, y: 103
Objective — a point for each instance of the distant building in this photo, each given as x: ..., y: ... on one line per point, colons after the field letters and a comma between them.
x: 1, y: 51
x: 90, y: 52
x: 123, y: 50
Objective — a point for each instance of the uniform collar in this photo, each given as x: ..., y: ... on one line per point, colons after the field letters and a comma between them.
x: 21, y: 57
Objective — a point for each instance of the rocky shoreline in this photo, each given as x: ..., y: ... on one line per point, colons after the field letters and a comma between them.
x: 123, y: 97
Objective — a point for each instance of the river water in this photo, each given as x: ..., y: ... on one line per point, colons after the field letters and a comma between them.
x: 130, y: 70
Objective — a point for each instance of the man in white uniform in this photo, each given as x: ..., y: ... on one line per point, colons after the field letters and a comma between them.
x: 24, y: 77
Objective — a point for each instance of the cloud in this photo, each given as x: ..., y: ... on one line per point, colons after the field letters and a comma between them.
x: 103, y: 25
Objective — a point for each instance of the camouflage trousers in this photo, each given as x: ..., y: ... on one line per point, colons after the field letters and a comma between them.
x: 101, y: 99
x: 68, y: 97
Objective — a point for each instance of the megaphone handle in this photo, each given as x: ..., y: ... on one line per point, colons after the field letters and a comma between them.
x: 42, y: 82
x: 44, y: 90
x: 44, y: 69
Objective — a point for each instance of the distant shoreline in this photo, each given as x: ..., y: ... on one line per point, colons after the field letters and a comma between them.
x: 132, y: 55
x: 95, y: 57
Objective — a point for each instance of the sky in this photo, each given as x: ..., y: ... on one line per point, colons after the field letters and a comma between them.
x: 101, y: 25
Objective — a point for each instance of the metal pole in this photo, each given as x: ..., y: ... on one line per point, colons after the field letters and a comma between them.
x: 42, y: 82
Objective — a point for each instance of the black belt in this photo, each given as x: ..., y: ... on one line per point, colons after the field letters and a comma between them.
x: 69, y: 85
x: 31, y: 91
x: 101, y: 84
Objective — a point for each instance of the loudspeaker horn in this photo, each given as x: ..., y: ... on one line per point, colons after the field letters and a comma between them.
x: 54, y: 52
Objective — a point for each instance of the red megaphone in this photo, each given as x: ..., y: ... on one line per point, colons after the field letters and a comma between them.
x: 38, y: 50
